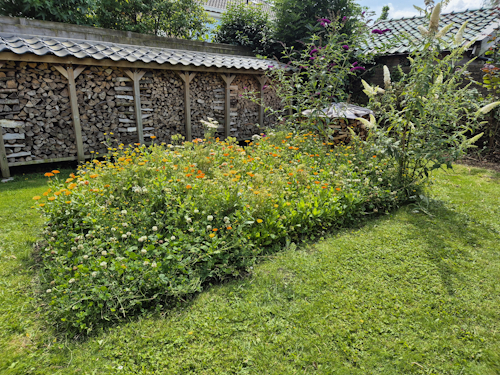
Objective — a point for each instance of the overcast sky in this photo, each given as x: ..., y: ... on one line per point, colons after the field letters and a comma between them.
x: 404, y: 8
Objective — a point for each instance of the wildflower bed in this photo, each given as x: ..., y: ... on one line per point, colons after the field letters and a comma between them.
x: 149, y: 223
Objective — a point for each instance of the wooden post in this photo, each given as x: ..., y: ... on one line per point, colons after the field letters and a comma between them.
x: 4, y: 165
x: 187, y: 78
x: 136, y: 77
x: 71, y: 75
x: 262, y: 81
x: 227, y: 111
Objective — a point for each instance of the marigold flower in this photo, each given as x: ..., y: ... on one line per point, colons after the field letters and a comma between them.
x: 153, y: 137
x: 55, y: 171
x: 45, y: 194
x: 188, y: 187
x: 259, y: 221
x: 68, y: 202
x: 94, y: 176
x: 48, y: 174
x: 37, y: 197
x: 338, y: 189
x: 229, y: 228
x: 51, y: 198
x: 215, y: 230
x: 211, y: 235
x: 41, y: 204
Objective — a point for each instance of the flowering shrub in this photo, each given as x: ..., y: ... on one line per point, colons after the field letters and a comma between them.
x: 151, y: 223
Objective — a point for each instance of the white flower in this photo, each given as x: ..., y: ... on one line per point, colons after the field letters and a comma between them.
x: 196, y: 211
x: 387, y: 78
x: 104, y: 264
x: 49, y: 290
x: 113, y: 229
x: 71, y: 281
x: 145, y: 263
x: 124, y: 236
x: 226, y: 219
x: 188, y: 219
x: 459, y: 37
x: 191, y: 229
x: 256, y: 137
x: 85, y: 257
x: 488, y: 108
x: 80, y: 247
x: 144, y: 251
x: 120, y: 367
x: 104, y: 253
x: 142, y: 239
x: 209, y: 227
x: 129, y: 233
x: 210, y: 217
x: 125, y: 225
x: 124, y: 212
x: 94, y: 274
x: 154, y: 265
x: 434, y: 22
x: 172, y: 238
x: 155, y: 228
x: 379, y: 179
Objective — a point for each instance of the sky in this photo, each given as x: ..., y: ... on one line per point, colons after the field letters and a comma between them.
x: 404, y: 8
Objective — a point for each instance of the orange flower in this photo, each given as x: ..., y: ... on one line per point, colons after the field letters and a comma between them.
x: 317, y: 182
x: 57, y: 193
x: 189, y: 175
x: 68, y: 202
x: 107, y: 185
x: 45, y: 194
x: 153, y: 137
x: 338, y: 189
x: 69, y: 180
x: 72, y: 175
x: 141, y: 163
x: 51, y: 198
x: 48, y: 174
x: 67, y: 192
x: 41, y: 204
x: 188, y: 186
x: 215, y: 229
x: 94, y: 176
x: 55, y: 171
x: 374, y: 156
x: 37, y: 197
x: 72, y: 186
x: 229, y: 228
x: 226, y: 154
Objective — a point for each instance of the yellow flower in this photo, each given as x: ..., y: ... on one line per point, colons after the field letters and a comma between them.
x: 212, y: 235
x: 51, y: 198
x: 41, y: 204
x: 37, y: 197
x: 259, y: 221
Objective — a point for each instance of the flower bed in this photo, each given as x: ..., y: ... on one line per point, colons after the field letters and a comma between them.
x: 151, y: 223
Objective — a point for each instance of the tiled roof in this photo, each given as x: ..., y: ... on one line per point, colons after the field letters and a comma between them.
x: 223, y: 4
x: 62, y: 47
x: 482, y: 22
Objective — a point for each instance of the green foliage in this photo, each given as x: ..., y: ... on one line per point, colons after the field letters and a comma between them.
x: 316, y: 76
x: 179, y: 18
x: 153, y: 223
x: 246, y: 25
x: 425, y: 116
x: 67, y: 11
x: 296, y: 20
x: 385, y: 13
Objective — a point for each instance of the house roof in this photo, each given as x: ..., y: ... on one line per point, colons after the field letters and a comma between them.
x: 482, y: 22
x: 114, y: 52
x: 223, y: 4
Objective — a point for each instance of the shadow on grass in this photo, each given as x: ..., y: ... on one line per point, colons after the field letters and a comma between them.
x: 447, y: 233
x: 23, y: 181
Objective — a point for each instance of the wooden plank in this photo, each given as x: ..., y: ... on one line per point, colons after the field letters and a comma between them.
x: 9, y: 101
x: 121, y: 79
x: 126, y: 120
x: 136, y: 77
x: 7, y: 78
x: 4, y: 166
x: 128, y: 97
x: 61, y: 70
x: 19, y: 154
x: 7, y: 90
x: 187, y: 78
x: 228, y: 79
x: 13, y: 136
x: 43, y: 161
x: 262, y: 81
x: 123, y: 88
x: 15, y: 145
x: 11, y: 124
x: 75, y: 113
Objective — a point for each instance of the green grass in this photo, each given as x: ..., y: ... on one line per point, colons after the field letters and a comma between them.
x: 406, y: 293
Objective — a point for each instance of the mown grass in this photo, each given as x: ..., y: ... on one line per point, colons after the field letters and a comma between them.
x: 406, y: 293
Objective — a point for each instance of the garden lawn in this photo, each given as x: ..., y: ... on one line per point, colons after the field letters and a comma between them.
x: 406, y: 293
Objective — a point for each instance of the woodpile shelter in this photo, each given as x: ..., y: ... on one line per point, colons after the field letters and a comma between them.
x: 62, y: 87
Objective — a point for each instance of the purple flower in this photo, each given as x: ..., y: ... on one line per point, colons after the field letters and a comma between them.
x: 346, y: 47
x: 270, y: 66
x: 376, y: 31
x: 265, y: 87
x: 355, y: 63
x: 324, y: 21
x: 386, y: 30
x: 357, y: 68
x: 363, y: 13
x: 244, y: 88
x: 314, y: 51
x: 344, y: 18
x: 312, y: 58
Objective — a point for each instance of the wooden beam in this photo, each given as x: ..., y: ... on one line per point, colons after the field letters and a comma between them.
x: 187, y: 78
x: 136, y: 77
x: 29, y: 57
x: 4, y: 165
x: 44, y: 161
x: 228, y: 79
x: 262, y: 81
x: 71, y: 75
